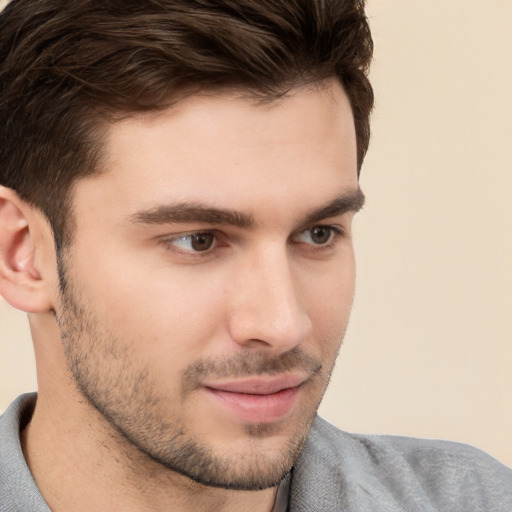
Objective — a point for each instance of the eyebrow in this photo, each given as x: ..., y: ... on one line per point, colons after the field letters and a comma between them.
x: 193, y: 212
x: 351, y: 201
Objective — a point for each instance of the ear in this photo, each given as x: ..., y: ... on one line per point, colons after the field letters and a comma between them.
x: 21, y: 282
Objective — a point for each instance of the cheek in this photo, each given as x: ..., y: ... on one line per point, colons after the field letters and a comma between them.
x: 330, y: 306
x: 168, y: 318
x: 165, y: 316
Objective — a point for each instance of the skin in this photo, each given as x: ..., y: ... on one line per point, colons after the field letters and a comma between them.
x: 146, y: 324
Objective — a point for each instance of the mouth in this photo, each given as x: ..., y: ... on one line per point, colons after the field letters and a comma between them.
x: 257, y: 400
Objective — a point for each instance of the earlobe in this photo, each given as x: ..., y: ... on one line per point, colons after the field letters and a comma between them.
x: 21, y: 283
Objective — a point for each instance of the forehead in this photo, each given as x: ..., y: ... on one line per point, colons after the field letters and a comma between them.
x: 230, y: 151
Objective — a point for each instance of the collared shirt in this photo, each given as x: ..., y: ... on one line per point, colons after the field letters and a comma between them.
x: 283, y: 494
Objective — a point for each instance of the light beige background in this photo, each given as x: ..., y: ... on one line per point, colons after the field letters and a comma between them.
x: 429, y: 348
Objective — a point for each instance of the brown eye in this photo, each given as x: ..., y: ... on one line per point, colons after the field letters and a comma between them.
x: 201, y: 241
x: 193, y: 243
x: 320, y: 234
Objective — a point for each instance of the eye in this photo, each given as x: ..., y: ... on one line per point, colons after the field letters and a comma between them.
x: 195, y: 242
x: 318, y: 235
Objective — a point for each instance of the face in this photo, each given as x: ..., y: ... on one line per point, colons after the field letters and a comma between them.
x: 210, y: 278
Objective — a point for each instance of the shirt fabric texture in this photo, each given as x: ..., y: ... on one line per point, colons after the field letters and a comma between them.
x: 336, y: 472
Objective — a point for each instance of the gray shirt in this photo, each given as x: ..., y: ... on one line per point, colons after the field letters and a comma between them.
x: 335, y: 472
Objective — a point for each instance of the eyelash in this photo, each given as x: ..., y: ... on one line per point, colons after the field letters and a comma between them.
x: 336, y: 233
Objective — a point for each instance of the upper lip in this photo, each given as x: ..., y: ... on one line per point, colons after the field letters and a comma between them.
x: 259, y: 385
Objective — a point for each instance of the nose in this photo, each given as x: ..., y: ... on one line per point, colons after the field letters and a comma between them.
x: 267, y: 309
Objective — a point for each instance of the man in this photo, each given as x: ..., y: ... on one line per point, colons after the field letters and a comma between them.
x: 179, y: 181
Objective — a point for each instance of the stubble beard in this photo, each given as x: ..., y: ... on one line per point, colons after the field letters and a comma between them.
x: 105, y: 372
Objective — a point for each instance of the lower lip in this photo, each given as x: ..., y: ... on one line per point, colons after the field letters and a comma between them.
x: 257, y: 408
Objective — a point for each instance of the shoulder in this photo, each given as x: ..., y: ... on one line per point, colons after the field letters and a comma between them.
x: 421, y: 454
x: 18, y: 491
x: 400, y: 473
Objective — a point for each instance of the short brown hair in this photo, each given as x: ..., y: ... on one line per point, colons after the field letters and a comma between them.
x: 66, y: 67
